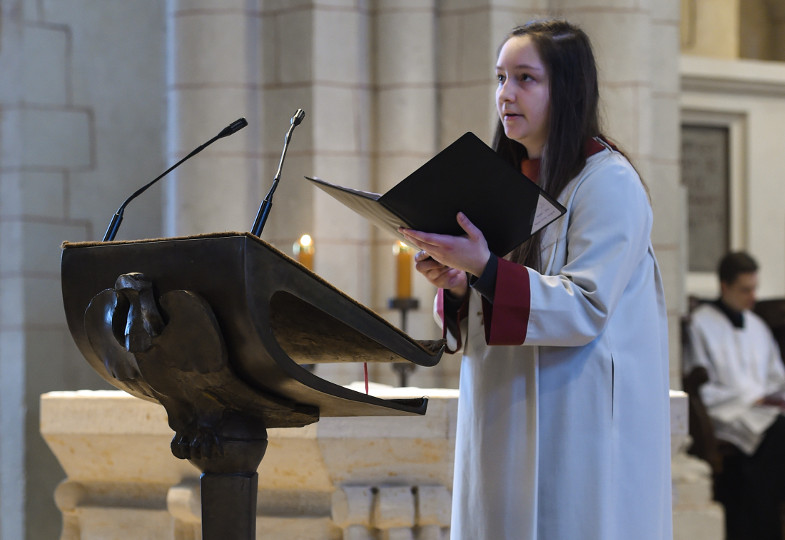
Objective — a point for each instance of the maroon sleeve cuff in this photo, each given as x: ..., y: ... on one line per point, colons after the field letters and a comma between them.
x: 506, y: 320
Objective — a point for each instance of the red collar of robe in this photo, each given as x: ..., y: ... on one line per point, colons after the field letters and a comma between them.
x: 531, y: 167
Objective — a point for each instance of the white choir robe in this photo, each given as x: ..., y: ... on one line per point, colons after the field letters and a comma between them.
x: 567, y: 437
x: 743, y: 365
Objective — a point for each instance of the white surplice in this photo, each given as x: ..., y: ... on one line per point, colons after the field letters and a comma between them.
x: 567, y: 436
x: 743, y: 365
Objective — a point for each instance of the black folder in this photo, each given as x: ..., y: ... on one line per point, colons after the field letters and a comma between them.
x: 467, y: 177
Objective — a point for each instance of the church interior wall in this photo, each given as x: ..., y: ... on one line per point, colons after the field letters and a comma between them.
x: 104, y: 96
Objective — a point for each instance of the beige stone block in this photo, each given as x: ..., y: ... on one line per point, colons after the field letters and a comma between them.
x: 670, y: 261
x: 462, y: 5
x: 339, y: 46
x: 293, y: 55
x: 665, y: 128
x: 475, y: 53
x: 337, y: 119
x: 224, y: 61
x: 404, y: 45
x: 33, y: 194
x: 212, y: 5
x: 39, y: 300
x: 622, y: 53
x: 201, y: 113
x: 36, y: 245
x: 394, y: 508
x: 626, y: 116
x: 118, y: 523
x: 352, y: 505
x: 414, y: 6
x: 299, y: 527
x: 212, y: 195
x: 449, y: 32
x: 714, y: 30
x: 668, y: 203
x: 434, y: 504
x: 45, y: 52
x: 665, y: 57
x: 406, y: 119
x: 64, y: 143
x: 595, y: 5
x: 12, y: 315
x: 468, y: 108
x: 665, y: 10
x: 286, y: 5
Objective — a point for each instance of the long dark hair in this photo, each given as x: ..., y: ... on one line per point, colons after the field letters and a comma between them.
x: 566, y: 53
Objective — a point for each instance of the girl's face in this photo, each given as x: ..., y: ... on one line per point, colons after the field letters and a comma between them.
x: 523, y: 94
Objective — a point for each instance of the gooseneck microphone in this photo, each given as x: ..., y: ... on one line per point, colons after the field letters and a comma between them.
x: 267, y: 203
x: 117, y: 219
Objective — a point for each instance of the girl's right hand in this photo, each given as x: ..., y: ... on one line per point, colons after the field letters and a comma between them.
x: 440, y: 275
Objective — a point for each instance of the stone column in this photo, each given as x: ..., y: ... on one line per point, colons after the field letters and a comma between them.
x: 351, y: 511
x: 405, y: 135
x: 434, y: 505
x: 69, y: 131
x: 213, y: 70
x: 393, y: 512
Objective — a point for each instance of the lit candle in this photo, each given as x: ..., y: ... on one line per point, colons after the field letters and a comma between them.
x: 404, y: 258
x: 303, y: 250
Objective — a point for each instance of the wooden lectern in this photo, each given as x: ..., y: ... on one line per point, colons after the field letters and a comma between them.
x: 217, y: 329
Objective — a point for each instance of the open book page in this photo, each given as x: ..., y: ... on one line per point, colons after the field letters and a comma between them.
x: 546, y: 212
x: 365, y: 203
x: 469, y: 177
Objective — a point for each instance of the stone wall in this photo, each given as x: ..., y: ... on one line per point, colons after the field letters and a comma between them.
x: 385, y: 478
x: 97, y: 98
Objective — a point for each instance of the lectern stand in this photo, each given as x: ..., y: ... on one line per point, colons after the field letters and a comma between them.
x: 216, y: 328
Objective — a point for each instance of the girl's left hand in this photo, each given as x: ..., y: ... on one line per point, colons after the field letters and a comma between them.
x: 469, y: 253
